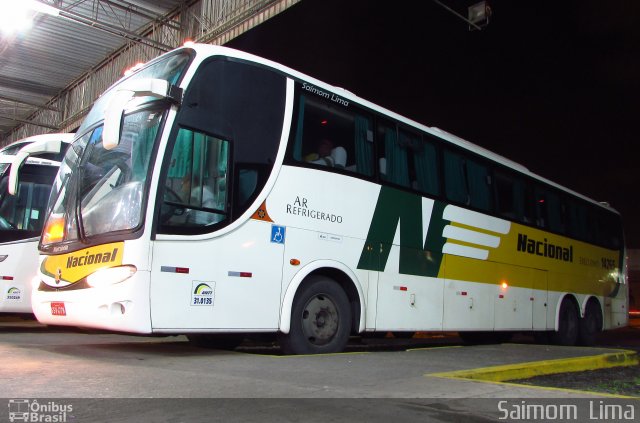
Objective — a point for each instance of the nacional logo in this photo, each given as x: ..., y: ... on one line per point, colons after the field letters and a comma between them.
x: 202, y: 294
x: 64, y: 269
x: 89, y: 259
x: 545, y: 248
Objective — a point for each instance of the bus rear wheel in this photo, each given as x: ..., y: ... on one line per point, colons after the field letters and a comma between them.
x: 320, y: 319
x: 590, y: 324
x: 567, y: 333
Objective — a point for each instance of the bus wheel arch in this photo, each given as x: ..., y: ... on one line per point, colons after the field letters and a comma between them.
x: 306, y: 294
x: 591, y: 323
x: 342, y: 275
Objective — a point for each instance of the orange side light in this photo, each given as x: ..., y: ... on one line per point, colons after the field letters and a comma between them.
x: 54, y: 231
x: 505, y: 285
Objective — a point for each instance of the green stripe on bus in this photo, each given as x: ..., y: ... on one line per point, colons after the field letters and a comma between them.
x: 417, y: 256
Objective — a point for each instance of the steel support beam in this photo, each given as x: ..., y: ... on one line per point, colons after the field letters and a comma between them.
x: 29, y: 122
x: 39, y: 106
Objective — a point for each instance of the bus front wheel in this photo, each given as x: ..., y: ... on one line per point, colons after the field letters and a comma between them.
x: 320, y: 319
x: 567, y: 333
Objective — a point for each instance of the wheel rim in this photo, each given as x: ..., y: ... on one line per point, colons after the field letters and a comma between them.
x: 320, y: 319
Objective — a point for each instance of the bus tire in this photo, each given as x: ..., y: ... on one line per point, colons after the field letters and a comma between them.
x: 320, y: 319
x: 591, y: 324
x: 215, y: 340
x: 568, y: 324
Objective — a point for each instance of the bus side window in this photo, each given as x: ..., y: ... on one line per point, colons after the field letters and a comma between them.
x: 608, y: 231
x: 333, y: 136
x: 467, y: 181
x: 455, y: 178
x: 196, y: 185
x: 556, y: 212
x: 425, y: 161
x: 506, y: 203
x: 576, y: 220
x: 540, y: 208
x: 394, y: 155
x: 479, y: 182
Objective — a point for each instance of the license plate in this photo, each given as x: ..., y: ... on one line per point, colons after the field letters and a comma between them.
x: 57, y: 309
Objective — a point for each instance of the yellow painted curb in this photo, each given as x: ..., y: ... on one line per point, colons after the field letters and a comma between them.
x: 545, y: 367
x: 569, y: 390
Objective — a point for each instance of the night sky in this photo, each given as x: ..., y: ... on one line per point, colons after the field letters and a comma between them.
x: 552, y: 85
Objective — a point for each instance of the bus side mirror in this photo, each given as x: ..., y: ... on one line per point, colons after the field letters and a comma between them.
x: 113, y: 119
x: 38, y: 147
x: 156, y: 88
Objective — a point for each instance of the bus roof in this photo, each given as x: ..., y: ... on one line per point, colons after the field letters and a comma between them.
x: 62, y: 136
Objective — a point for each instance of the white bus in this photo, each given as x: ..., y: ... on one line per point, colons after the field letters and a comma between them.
x: 214, y: 194
x: 22, y: 213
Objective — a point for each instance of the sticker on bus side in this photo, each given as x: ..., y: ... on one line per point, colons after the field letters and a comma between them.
x: 277, y: 234
x: 14, y: 294
x: 202, y: 293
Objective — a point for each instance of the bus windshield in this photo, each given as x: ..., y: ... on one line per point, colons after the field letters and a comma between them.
x: 101, y: 191
x: 169, y: 68
x: 22, y: 215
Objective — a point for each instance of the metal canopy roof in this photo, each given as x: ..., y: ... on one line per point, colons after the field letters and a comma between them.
x: 51, y: 73
x: 56, y: 50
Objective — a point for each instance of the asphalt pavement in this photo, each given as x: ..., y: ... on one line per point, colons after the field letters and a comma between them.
x: 431, y: 375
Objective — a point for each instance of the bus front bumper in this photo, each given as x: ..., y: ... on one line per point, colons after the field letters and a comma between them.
x: 122, y: 307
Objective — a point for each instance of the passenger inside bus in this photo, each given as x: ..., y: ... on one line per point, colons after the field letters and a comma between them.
x: 328, y: 155
x: 199, y: 195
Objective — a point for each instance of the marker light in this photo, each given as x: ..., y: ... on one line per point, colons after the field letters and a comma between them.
x: 188, y: 43
x: 504, y: 285
x: 53, y: 231
x: 110, y: 276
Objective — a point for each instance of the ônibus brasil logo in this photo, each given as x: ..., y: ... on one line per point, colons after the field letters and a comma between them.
x: 25, y: 410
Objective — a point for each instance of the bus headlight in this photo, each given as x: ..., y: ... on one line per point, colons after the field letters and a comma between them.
x: 110, y: 276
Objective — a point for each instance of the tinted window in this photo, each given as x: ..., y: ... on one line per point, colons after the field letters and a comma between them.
x: 236, y: 107
x: 330, y: 134
x: 467, y: 181
x: 509, y: 195
x: 22, y: 215
x: 196, y: 187
x: 394, y: 155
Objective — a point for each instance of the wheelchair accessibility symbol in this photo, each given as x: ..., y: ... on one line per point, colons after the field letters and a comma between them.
x: 277, y: 234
